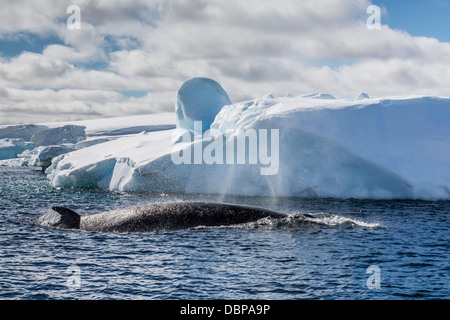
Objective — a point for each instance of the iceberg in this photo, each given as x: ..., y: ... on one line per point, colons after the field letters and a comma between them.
x: 46, y: 143
x: 378, y: 148
x: 24, y: 132
x: 375, y: 148
x: 59, y: 135
x: 42, y: 156
x: 10, y: 148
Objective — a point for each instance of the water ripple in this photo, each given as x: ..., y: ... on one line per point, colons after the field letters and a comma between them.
x: 324, y: 254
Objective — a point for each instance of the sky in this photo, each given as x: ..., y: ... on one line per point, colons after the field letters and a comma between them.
x: 130, y: 57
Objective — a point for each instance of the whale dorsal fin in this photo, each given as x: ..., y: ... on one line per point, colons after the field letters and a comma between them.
x: 69, y: 219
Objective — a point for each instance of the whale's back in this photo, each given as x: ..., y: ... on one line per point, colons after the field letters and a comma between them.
x: 173, y: 216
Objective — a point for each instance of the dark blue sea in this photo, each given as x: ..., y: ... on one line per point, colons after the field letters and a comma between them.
x: 349, y: 249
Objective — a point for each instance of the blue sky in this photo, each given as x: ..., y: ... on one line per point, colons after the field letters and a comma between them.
x: 131, y: 57
x: 429, y: 18
x: 13, y: 46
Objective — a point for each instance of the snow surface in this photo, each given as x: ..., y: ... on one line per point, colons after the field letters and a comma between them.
x: 396, y: 147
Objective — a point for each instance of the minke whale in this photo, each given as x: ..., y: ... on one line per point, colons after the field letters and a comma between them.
x: 163, y: 217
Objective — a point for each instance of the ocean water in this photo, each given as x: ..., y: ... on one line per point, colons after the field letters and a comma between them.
x: 349, y: 249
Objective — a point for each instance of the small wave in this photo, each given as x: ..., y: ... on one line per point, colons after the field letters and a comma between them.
x: 337, y: 220
x: 300, y: 220
x: 49, y: 219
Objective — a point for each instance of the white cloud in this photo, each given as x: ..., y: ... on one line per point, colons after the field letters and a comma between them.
x: 251, y: 47
x: 42, y: 106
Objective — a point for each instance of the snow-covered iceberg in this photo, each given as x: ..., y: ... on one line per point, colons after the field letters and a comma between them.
x: 25, y: 131
x: 368, y: 148
x: 377, y: 148
x: 10, y: 148
x: 53, y: 139
x: 42, y: 143
x: 60, y: 135
x: 42, y: 156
